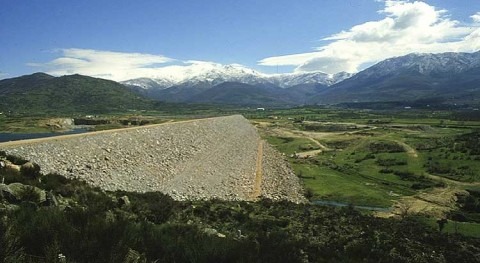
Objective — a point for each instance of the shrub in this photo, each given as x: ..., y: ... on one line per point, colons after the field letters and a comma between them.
x: 29, y: 194
x: 389, y: 147
x: 390, y: 162
x: 31, y: 170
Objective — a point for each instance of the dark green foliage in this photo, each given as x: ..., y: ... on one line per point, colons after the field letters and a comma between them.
x: 468, y: 207
x: 469, y: 142
x: 67, y: 94
x: 385, y: 171
x: 328, y: 127
x: 419, y: 181
x: 385, y: 147
x: 367, y: 156
x: 286, y: 139
x: 152, y: 206
x: 390, y: 162
x: 93, y: 226
x: 11, y: 249
x: 471, y: 202
x: 29, y: 194
x: 54, y: 182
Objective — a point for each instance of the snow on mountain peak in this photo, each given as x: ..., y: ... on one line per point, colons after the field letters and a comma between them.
x: 214, y: 73
x: 427, y: 63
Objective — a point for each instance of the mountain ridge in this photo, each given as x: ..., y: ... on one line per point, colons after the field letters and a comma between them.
x: 450, y: 78
x: 216, y: 74
x: 454, y: 77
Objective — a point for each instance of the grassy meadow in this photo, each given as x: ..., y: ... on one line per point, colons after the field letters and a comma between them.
x: 417, y: 159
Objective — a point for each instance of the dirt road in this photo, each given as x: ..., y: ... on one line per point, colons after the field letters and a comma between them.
x: 257, y: 188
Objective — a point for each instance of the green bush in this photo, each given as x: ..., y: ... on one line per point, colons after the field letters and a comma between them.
x: 29, y: 194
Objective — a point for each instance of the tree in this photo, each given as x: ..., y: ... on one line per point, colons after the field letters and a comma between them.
x: 441, y: 224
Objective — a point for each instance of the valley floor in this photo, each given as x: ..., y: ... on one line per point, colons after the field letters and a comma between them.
x: 411, y: 162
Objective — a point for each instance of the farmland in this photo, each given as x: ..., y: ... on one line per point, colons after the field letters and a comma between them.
x: 409, y: 162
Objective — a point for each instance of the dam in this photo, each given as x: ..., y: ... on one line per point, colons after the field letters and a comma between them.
x: 222, y: 157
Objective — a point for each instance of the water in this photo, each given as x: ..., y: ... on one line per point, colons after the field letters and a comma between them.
x: 5, y: 137
x: 340, y: 204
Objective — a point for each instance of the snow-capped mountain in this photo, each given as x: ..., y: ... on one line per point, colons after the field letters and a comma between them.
x: 451, y: 77
x: 146, y: 83
x: 214, y: 74
x: 199, y: 72
x: 292, y: 79
x: 424, y: 64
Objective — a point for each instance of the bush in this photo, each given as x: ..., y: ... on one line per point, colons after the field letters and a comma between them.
x: 30, y: 170
x: 388, y: 147
x: 390, y: 162
x: 29, y: 194
x: 309, y: 193
x: 386, y: 171
x: 153, y: 206
x: 16, y: 159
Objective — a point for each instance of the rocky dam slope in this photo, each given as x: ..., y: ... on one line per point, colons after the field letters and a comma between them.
x: 220, y: 157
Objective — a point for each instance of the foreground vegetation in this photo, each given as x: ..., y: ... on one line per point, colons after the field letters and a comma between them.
x: 78, y: 223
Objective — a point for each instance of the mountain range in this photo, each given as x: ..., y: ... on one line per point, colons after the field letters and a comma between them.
x: 199, y: 82
x: 448, y: 77
x: 215, y: 74
x: 445, y: 78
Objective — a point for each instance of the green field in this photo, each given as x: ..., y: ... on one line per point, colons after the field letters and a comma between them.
x: 453, y: 227
x: 378, y: 158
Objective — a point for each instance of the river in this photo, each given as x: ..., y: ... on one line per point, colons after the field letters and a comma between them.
x: 340, y: 204
x: 5, y: 137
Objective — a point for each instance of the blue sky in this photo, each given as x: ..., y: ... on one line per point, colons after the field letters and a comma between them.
x: 113, y: 38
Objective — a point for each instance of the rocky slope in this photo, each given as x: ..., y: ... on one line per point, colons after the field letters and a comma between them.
x: 200, y: 159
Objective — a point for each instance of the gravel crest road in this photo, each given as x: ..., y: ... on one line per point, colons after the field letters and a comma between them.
x: 191, y: 160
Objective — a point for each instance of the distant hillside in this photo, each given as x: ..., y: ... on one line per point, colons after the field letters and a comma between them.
x: 42, y: 93
x: 202, y: 82
x: 439, y: 80
x: 444, y: 78
x: 447, y: 77
x: 234, y: 93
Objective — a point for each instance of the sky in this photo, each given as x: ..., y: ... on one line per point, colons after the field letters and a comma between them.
x: 124, y: 39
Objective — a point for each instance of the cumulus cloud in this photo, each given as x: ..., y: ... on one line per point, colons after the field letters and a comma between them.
x: 476, y: 17
x: 105, y: 64
x: 407, y: 27
x: 120, y: 66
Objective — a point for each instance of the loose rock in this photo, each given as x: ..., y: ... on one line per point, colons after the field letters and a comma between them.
x: 200, y: 159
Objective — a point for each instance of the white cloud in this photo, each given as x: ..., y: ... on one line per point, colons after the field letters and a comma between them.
x: 125, y: 66
x: 407, y: 27
x: 476, y: 17
x: 105, y: 64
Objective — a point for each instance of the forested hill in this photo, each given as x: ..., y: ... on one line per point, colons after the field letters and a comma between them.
x: 42, y: 93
